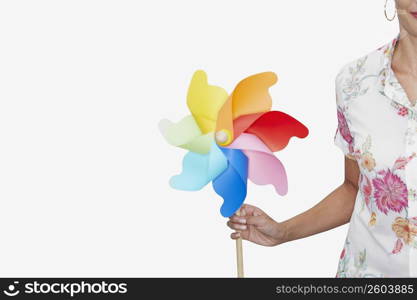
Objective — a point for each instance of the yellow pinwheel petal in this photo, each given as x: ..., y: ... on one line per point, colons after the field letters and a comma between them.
x: 225, y: 123
x: 205, y: 101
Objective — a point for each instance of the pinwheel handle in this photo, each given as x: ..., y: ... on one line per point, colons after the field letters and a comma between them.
x: 239, y: 254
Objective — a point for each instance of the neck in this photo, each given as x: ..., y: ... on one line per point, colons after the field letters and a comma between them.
x: 405, y: 56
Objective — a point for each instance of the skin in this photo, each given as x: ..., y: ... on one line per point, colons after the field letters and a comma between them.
x: 336, y: 208
x: 404, y: 61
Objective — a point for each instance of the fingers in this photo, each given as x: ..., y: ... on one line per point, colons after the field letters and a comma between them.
x: 241, y: 212
x: 244, y: 235
x: 236, y: 226
x: 241, y: 230
x: 238, y: 219
x: 247, y: 215
x: 248, y: 210
x: 235, y: 235
x: 248, y: 220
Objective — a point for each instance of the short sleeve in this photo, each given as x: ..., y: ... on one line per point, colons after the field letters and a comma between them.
x: 343, y: 136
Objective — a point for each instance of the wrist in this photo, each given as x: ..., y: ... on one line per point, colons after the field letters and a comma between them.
x: 281, y: 233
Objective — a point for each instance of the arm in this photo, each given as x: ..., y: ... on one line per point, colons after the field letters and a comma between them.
x: 334, y: 210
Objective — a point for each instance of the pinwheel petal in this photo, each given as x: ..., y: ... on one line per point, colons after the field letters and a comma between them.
x: 275, y: 129
x: 251, y: 96
x: 186, y: 134
x: 200, y: 144
x: 247, y: 141
x: 205, y: 101
x: 231, y: 185
x: 264, y: 167
x: 199, y: 169
x: 244, y: 122
x: 217, y: 161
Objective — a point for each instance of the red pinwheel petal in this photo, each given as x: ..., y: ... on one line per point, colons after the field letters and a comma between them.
x: 243, y: 122
x: 275, y: 129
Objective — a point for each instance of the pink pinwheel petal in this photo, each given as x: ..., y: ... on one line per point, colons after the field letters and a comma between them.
x: 247, y: 141
x: 264, y: 167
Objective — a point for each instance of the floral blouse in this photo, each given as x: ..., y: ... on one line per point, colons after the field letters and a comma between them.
x: 377, y: 127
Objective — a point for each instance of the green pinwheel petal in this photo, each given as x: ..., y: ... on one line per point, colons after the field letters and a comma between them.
x: 186, y: 134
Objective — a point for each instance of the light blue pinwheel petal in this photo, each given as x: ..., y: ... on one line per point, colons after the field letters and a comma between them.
x: 217, y: 161
x: 194, y: 173
x: 199, y: 169
x: 231, y: 185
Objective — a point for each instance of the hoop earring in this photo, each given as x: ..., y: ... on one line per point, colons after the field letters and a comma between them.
x: 385, y: 12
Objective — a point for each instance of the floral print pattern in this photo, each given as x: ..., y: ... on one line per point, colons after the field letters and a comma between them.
x: 404, y: 230
x: 368, y: 161
x: 356, y: 267
x: 390, y: 192
x: 377, y: 127
x: 353, y: 83
x: 344, y: 129
x: 366, y: 189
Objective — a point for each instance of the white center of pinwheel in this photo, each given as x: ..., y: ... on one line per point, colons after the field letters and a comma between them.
x: 221, y: 137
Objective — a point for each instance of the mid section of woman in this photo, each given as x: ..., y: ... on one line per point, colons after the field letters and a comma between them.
x: 377, y: 131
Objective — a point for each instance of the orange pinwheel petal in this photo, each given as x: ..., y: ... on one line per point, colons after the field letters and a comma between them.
x: 250, y: 96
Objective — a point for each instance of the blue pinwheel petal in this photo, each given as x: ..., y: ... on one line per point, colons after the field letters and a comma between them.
x: 231, y: 185
x: 199, y: 169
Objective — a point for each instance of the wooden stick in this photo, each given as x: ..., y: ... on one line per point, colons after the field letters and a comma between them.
x: 239, y: 254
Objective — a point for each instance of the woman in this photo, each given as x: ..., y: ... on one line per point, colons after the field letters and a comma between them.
x: 377, y: 131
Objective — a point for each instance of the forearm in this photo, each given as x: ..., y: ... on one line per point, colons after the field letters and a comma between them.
x: 334, y: 210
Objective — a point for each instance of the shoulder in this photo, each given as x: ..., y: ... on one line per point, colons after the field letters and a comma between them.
x: 349, y: 77
x: 369, y: 63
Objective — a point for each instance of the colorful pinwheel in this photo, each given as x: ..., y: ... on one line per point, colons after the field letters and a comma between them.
x: 231, y: 138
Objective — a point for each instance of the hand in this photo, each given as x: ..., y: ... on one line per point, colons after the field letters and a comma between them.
x: 256, y: 226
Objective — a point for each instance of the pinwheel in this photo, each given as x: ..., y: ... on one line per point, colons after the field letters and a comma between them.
x: 231, y: 138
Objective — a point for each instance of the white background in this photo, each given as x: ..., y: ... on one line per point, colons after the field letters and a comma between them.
x: 83, y: 169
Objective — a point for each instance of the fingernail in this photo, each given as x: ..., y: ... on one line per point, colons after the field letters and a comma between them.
x: 242, y: 227
x: 242, y: 221
x: 237, y: 234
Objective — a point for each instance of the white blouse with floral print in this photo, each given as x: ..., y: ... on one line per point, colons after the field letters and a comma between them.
x: 377, y: 127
